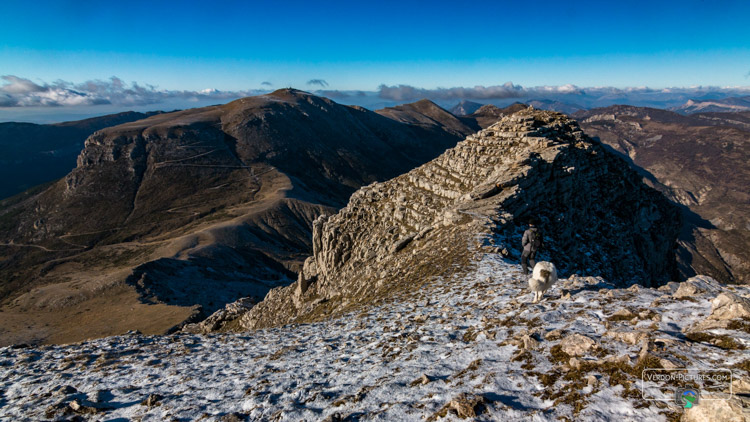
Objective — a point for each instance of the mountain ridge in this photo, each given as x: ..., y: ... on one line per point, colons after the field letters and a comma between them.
x: 465, y: 107
x: 731, y: 104
x: 422, y: 224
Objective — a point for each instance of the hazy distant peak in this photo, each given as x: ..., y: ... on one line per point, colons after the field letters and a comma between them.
x: 731, y: 104
x: 465, y: 108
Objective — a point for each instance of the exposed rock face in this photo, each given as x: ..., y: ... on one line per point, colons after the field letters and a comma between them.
x: 730, y: 306
x: 719, y: 407
x: 696, y: 285
x: 727, y: 308
x: 32, y: 154
x: 222, y: 318
x: 699, y: 161
x: 597, y: 218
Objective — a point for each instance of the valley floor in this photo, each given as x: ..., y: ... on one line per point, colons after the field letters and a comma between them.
x: 410, y: 359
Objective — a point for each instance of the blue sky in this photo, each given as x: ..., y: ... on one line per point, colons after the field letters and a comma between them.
x: 359, y: 45
x: 64, y: 60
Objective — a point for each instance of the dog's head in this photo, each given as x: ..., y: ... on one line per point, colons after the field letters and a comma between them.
x: 545, y: 275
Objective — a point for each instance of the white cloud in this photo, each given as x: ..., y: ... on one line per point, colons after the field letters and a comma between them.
x: 320, y: 82
x: 410, y: 93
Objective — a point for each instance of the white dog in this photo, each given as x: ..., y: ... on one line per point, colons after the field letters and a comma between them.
x: 544, y: 276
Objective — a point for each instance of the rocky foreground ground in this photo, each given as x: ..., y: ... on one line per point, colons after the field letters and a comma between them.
x: 472, y: 346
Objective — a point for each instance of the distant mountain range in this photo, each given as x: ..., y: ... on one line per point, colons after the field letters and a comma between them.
x: 559, y: 106
x: 465, y: 107
x: 731, y: 104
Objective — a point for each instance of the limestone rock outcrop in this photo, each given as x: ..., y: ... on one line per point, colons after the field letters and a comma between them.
x: 221, y: 319
x: 730, y: 306
x: 715, y: 407
x: 597, y: 217
x: 577, y: 344
x: 725, y: 308
x: 696, y: 285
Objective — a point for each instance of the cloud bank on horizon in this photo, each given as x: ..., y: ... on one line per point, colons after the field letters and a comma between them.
x: 507, y: 90
x: 18, y: 92
x: 21, y: 92
x: 512, y: 91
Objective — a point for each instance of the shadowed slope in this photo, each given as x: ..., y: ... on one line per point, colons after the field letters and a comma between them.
x: 700, y: 162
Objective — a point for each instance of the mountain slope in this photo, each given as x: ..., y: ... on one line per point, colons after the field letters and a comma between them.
x: 196, y: 208
x: 699, y: 161
x: 471, y: 344
x: 32, y: 154
x: 490, y: 114
x: 429, y: 116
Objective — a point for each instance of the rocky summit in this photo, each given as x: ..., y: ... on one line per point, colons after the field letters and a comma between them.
x: 597, y: 217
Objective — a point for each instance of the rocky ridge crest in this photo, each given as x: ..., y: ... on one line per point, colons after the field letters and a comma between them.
x: 598, y: 219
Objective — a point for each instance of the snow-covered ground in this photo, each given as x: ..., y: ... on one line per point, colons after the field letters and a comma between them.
x: 403, y: 360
